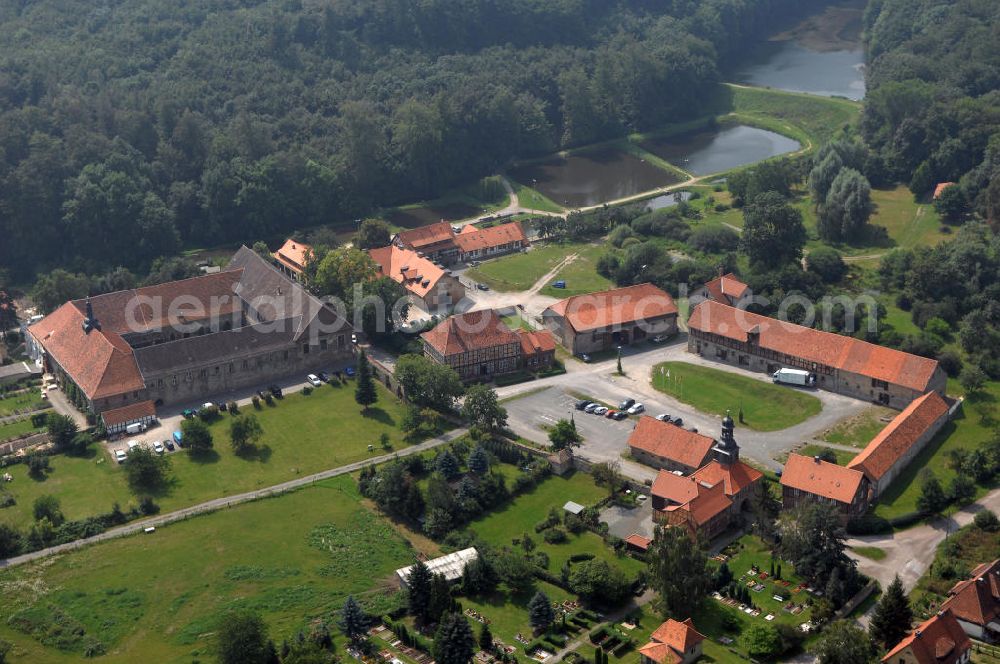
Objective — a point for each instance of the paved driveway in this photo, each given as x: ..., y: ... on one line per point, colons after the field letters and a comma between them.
x: 605, y: 440
x: 623, y: 521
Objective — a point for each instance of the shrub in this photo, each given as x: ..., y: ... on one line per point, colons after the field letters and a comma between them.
x: 307, y: 390
x: 232, y: 408
x: 255, y: 400
x: 38, y: 465
x: 554, y: 536
x: 148, y: 506
x: 38, y: 420
x: 208, y: 413
x: 987, y: 521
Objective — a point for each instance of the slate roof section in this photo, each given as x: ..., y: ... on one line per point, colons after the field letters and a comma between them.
x: 615, y: 307
x: 670, y: 442
x: 475, y: 330
x: 821, y: 478
x: 896, y: 439
x: 826, y: 348
x: 222, y: 347
x: 938, y: 640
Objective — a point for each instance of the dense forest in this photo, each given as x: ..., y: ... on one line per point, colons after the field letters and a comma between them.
x: 131, y: 128
x: 932, y: 111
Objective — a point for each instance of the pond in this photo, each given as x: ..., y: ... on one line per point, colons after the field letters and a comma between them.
x: 821, y: 55
x: 667, y: 200
x: 717, y: 150
x: 592, y: 177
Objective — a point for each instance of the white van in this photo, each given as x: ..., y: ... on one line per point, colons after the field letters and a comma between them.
x: 134, y: 428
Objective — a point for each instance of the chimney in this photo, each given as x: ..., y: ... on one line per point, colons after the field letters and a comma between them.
x: 817, y: 459
x: 917, y: 633
x: 90, y: 321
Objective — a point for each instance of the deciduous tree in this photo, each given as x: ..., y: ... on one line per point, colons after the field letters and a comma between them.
x: 679, y: 569
x: 773, y: 232
x: 843, y: 642
x: 241, y: 638
x: 564, y: 435
x: 244, y: 432
x: 482, y: 408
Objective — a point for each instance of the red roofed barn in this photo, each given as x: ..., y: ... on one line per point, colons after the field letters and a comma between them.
x: 842, y: 364
x: 726, y: 289
x: 669, y: 447
x: 673, y: 642
x: 439, y: 242
x: 939, y: 640
x: 810, y: 479
x: 601, y: 321
x: 478, y: 345
x: 888, y: 453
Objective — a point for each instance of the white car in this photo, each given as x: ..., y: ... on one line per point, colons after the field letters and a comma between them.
x: 158, y: 447
x: 120, y: 456
x: 636, y: 409
x: 132, y: 444
x: 591, y: 408
x: 314, y: 380
x: 600, y: 410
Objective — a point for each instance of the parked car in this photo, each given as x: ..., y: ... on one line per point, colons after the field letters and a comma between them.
x: 169, y: 444
x: 610, y: 414
x: 275, y: 390
x: 179, y: 438
x: 314, y: 380
x: 559, y: 284
x: 584, y: 357
x: 188, y: 413
x: 620, y: 415
x: 120, y: 456
x: 660, y: 338
x: 678, y: 421
x: 580, y: 405
x: 636, y: 409
x: 324, y: 376
x: 132, y: 444
x: 158, y: 447
x: 626, y: 404
x: 663, y: 417
x: 482, y: 287
x: 591, y: 407
x: 350, y: 372
x: 600, y: 410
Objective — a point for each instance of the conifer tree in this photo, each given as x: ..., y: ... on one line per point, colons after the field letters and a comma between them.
x: 892, y: 617
x: 365, y: 393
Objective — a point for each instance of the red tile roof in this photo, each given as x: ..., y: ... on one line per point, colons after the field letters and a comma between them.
x: 473, y: 239
x: 293, y: 255
x: 939, y: 640
x: 826, y: 348
x: 675, y: 488
x: 426, y: 236
x: 821, y: 478
x: 615, y: 307
x: 977, y: 600
x: 130, y: 413
x: 536, y: 341
x: 418, y: 275
x: 474, y: 330
x: 670, y: 442
x: 702, y: 500
x: 638, y: 541
x: 892, y: 443
x: 681, y: 636
x: 734, y: 477
x: 726, y: 289
x: 99, y: 362
x: 660, y: 653
x: 939, y: 189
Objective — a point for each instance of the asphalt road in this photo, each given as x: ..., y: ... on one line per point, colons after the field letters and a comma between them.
x: 605, y: 440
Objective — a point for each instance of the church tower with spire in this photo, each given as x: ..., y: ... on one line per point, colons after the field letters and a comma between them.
x: 727, y: 451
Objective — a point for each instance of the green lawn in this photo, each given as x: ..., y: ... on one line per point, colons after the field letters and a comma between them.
x: 17, y: 428
x: 302, y: 435
x: 519, y: 272
x: 966, y: 431
x: 580, y: 274
x: 766, y: 407
x: 22, y: 402
x: 508, y: 613
x: 819, y: 117
x: 156, y: 597
x: 533, y: 200
x: 858, y: 431
x: 872, y: 552
x: 843, y: 457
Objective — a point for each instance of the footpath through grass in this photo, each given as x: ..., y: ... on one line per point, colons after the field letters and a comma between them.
x: 519, y: 272
x: 157, y: 597
x: 580, y: 274
x: 302, y: 435
x: 766, y: 407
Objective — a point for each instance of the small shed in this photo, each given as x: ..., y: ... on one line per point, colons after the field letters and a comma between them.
x: 638, y: 543
x: 451, y: 566
x: 573, y: 508
x: 116, y: 420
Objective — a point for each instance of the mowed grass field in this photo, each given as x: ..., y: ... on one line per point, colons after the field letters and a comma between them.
x: 858, y: 431
x: 157, y: 597
x: 965, y: 431
x: 21, y: 402
x: 766, y: 407
x: 302, y: 435
x: 580, y: 274
x: 519, y: 272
